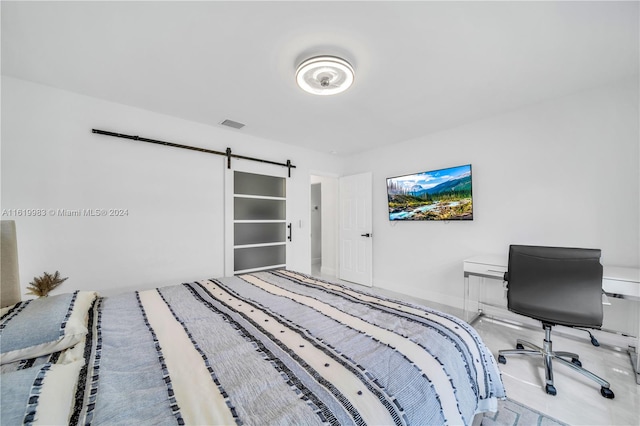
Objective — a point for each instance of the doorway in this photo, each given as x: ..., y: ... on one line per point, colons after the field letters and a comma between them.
x: 324, y: 225
x: 316, y: 228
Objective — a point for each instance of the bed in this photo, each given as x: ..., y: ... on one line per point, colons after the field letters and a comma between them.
x: 272, y: 347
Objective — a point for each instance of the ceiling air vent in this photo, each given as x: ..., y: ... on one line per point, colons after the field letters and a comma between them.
x: 231, y: 123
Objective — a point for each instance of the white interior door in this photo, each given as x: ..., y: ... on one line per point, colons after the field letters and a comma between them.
x: 355, y: 229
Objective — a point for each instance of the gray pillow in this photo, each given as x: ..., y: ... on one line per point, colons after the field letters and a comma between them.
x: 42, y: 326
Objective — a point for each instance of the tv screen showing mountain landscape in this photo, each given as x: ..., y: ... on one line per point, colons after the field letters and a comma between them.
x: 436, y: 195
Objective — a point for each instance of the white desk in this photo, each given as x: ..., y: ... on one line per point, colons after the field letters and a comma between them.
x: 618, y: 282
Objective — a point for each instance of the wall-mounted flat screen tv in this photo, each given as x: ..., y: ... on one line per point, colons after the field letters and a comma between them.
x: 443, y: 194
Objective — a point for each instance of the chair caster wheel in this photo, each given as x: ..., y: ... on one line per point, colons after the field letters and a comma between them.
x: 519, y: 346
x: 607, y: 393
x: 551, y: 390
x: 576, y: 361
x: 502, y: 359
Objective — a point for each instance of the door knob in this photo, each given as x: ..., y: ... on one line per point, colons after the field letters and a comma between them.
x: 366, y: 235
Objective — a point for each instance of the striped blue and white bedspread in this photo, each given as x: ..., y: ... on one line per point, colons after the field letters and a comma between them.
x: 280, y: 347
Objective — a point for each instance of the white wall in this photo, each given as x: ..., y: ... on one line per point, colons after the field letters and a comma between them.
x: 174, y: 228
x: 563, y: 172
x: 559, y: 173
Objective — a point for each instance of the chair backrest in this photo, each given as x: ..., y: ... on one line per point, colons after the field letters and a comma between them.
x: 556, y: 285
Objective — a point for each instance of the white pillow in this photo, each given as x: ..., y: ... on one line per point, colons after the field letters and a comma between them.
x: 42, y: 326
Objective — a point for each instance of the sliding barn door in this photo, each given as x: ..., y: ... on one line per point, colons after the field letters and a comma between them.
x: 256, y: 229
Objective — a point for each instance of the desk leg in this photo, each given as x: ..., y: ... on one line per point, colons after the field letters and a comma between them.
x: 469, y: 316
x: 635, y: 356
x: 635, y: 362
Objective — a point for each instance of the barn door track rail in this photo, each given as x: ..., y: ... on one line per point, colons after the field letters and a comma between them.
x: 227, y: 153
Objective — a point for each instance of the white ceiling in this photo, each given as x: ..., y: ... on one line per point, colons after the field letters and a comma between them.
x: 420, y: 66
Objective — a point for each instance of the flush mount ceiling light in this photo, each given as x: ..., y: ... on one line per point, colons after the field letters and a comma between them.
x: 324, y: 75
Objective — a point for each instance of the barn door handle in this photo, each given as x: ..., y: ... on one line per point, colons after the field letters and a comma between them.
x: 366, y: 235
x: 289, y: 237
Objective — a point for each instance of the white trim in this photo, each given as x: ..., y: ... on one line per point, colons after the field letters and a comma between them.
x: 279, y: 243
x: 264, y: 268
x: 259, y: 197
x: 260, y: 221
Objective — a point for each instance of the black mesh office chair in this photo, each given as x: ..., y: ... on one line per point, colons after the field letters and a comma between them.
x: 558, y: 286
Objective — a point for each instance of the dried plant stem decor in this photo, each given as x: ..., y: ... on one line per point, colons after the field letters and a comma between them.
x: 41, y: 286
